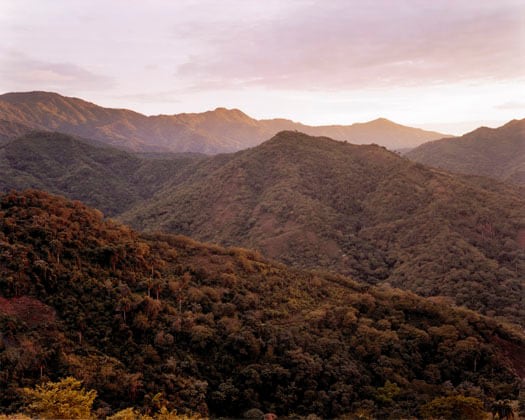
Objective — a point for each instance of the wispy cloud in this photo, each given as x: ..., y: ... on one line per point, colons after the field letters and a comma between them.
x: 153, y: 97
x: 336, y: 45
x: 24, y: 73
x: 513, y: 105
x: 315, y: 61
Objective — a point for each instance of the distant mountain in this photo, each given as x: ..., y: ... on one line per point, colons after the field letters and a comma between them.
x: 10, y: 130
x: 360, y: 210
x: 211, y: 132
x: 163, y: 320
x: 380, y: 131
x: 494, y: 152
x: 109, y: 179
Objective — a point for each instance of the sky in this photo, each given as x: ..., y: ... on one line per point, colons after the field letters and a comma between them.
x: 447, y: 65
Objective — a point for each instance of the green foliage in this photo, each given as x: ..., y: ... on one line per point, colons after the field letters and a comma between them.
x: 387, y: 393
x: 65, y: 399
x: 454, y: 407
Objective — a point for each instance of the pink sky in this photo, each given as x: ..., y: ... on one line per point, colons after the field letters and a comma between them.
x: 445, y: 65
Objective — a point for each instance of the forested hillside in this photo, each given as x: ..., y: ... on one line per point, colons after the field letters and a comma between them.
x: 106, y: 178
x: 219, y: 331
x: 361, y: 210
x: 493, y: 152
x: 308, y: 202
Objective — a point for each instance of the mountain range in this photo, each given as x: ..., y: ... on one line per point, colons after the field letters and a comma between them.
x: 160, y: 320
x: 309, y: 202
x: 493, y: 152
x: 360, y: 210
x: 218, y: 131
x: 369, y: 285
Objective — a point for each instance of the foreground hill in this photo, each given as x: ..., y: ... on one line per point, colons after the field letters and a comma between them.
x: 211, y: 132
x: 494, y: 152
x: 220, y: 331
x: 360, y: 210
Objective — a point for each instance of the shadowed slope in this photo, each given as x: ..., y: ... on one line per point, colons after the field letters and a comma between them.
x: 494, y: 152
x: 106, y: 178
x: 361, y: 210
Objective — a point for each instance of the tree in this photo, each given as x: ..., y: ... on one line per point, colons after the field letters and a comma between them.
x: 521, y: 400
x: 454, y: 407
x: 387, y: 393
x: 502, y: 409
x: 65, y: 399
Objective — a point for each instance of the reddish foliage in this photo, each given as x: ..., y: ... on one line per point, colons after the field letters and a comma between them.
x: 29, y: 310
x: 513, y: 353
x: 521, y: 238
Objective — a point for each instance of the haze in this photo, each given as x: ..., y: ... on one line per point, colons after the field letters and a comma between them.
x: 449, y: 66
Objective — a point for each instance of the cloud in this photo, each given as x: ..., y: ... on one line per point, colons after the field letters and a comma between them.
x: 345, y: 44
x: 172, y: 96
x: 511, y: 105
x: 21, y: 72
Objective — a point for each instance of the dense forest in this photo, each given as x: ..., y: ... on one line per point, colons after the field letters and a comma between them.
x: 106, y: 178
x: 221, y: 331
x: 309, y: 202
x: 360, y: 210
x: 494, y: 152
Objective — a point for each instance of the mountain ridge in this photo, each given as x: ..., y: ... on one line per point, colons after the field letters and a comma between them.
x: 355, y: 209
x: 493, y: 152
x: 312, y: 203
x: 218, y: 131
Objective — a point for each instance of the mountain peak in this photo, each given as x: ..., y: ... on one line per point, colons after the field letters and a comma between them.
x: 36, y: 96
x: 215, y: 131
x: 382, y: 120
x: 492, y: 152
x: 295, y: 136
x: 234, y: 113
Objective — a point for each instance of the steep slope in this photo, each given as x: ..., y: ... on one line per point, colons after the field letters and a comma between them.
x: 361, y: 210
x: 497, y: 153
x: 108, y: 179
x: 50, y: 111
x: 10, y: 130
x: 220, y: 331
x: 210, y: 132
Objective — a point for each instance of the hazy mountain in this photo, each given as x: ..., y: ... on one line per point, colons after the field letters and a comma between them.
x: 109, y: 179
x: 211, y: 132
x: 494, y: 152
x: 380, y: 131
x: 360, y: 210
x: 10, y: 130
x: 150, y: 320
